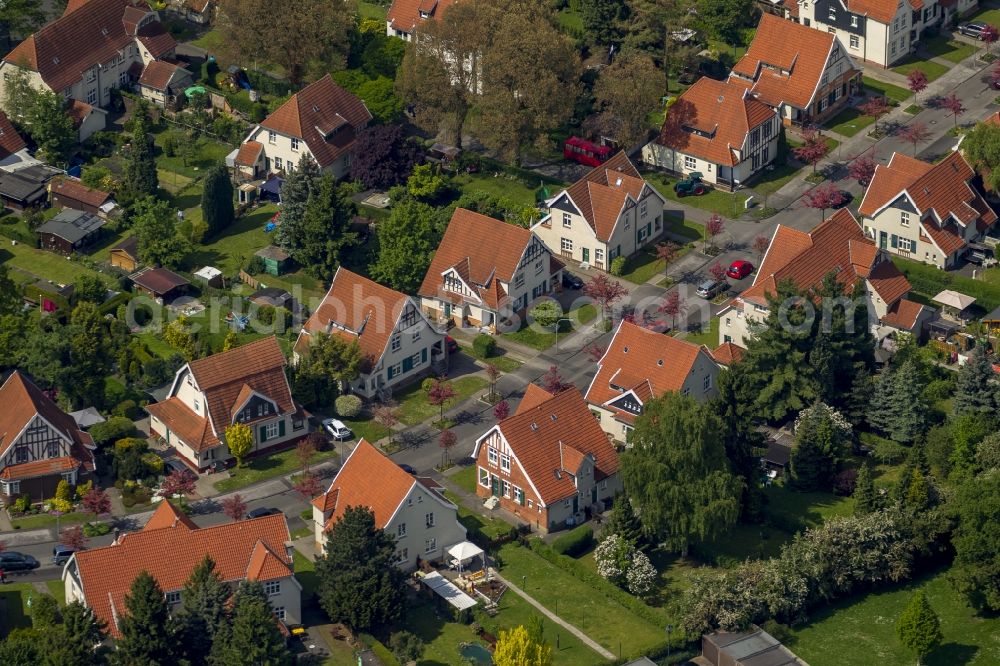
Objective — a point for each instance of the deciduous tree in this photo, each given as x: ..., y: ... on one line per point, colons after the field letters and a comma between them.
x: 160, y: 243
x: 824, y: 196
x: 760, y: 245
x: 383, y: 157
x: 553, y: 382
x: 976, y: 571
x: 73, y: 537
x: 918, y: 627
x: 862, y: 169
x: 336, y: 358
x: 308, y: 485
x: 953, y: 105
x: 666, y: 252
x: 725, y: 18
x: 916, y: 81
x: 234, y: 507
x: 178, y: 482
x: 605, y: 291
x: 981, y: 147
x: 603, y: 20
x: 239, y: 439
x: 651, y: 26
x: 714, y: 226
x: 440, y: 394
x: 447, y: 441
x: 628, y: 90
x: 813, y: 148
x: 672, y: 306
x: 914, y: 133
x: 407, y: 240
x: 717, y: 271
x: 677, y: 474
x: 501, y: 410
x: 325, y: 233
x: 516, y: 648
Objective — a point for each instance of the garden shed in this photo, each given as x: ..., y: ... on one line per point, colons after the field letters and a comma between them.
x: 276, y: 261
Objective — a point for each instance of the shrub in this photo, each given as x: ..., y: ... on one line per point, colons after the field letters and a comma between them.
x: 127, y: 409
x: 60, y: 505
x: 845, y: 481
x: 84, y: 488
x: 63, y: 491
x: 348, y: 406
x: 575, y: 542
x: 96, y: 529
x: 484, y: 346
x: 617, y: 265
x: 427, y: 384
x: 153, y: 462
x: 22, y: 504
x: 255, y: 265
x: 115, y: 428
x: 889, y: 452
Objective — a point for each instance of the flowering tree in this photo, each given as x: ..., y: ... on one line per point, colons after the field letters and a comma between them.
x: 862, y: 169
x: 493, y: 374
x: 813, y: 148
x: 178, y: 482
x: 916, y: 81
x: 823, y: 197
x: 717, y: 271
x: 387, y: 416
x: 837, y: 420
x: 446, y: 440
x: 988, y: 36
x: 666, y: 252
x: 501, y: 410
x: 553, y: 382
x: 441, y: 394
x: 613, y: 556
x: 234, y: 507
x: 713, y: 227
x: 760, y: 245
x: 641, y: 576
x: 914, y: 133
x: 96, y: 502
x: 308, y: 485
x: 954, y: 106
x: 73, y: 537
x: 875, y: 108
x: 605, y: 291
x: 672, y: 306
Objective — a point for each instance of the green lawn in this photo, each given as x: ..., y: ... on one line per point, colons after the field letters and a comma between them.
x: 643, y: 265
x: 586, y: 607
x: 491, y: 528
x: 927, y: 281
x: 678, y: 225
x: 368, y: 428
x: 503, y: 186
x: 501, y: 360
x: 46, y: 265
x: 708, y: 337
x: 371, y: 10
x: 768, y: 182
x: 465, y: 478
x: 267, y: 467
x: 861, y: 630
x: 849, y: 122
x: 991, y: 16
x: 805, y: 509
x: 542, y: 340
x: 14, y: 597
x: 48, y: 520
x: 305, y: 573
x: 895, y: 93
x: 932, y: 69
x: 951, y: 50
x: 413, y: 405
x: 205, y: 153
x: 716, y: 201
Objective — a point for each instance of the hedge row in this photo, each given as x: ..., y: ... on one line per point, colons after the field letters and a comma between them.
x: 928, y: 280
x: 575, y: 542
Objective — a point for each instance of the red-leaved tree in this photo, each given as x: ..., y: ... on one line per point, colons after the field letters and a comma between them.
x: 605, y: 291
x: 73, y: 537
x: 713, y: 227
x: 995, y: 76
x: 954, y: 106
x: 672, y: 306
x: 447, y: 440
x: 813, y: 148
x: 595, y: 352
x: 875, y: 108
x: 96, y: 502
x: 304, y: 451
x: 387, y: 416
x: 308, y: 485
x: 760, y: 245
x: 493, y: 374
x: 552, y: 381
x: 916, y: 81
x: 914, y: 133
x: 862, y: 169
x: 178, y: 482
x: 441, y: 394
x: 666, y: 252
x: 717, y: 271
x: 823, y: 197
x: 501, y: 410
x: 988, y: 36
x: 234, y: 507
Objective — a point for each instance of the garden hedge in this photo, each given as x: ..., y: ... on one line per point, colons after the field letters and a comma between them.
x: 575, y: 542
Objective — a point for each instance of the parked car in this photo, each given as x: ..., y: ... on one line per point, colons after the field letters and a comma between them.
x: 711, y: 288
x: 406, y: 468
x: 450, y: 344
x: 974, y: 30
x: 261, y: 512
x: 15, y: 561
x: 61, y: 555
x: 845, y: 199
x: 337, y: 430
x: 739, y: 269
x: 571, y: 281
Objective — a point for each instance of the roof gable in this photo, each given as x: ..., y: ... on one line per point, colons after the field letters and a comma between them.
x: 22, y: 402
x: 406, y: 15
x: 601, y: 195
x: 367, y: 479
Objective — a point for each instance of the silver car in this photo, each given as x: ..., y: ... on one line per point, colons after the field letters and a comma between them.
x: 709, y: 289
x: 337, y: 430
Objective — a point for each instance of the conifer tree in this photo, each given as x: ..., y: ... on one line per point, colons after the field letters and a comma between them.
x: 217, y: 200
x: 918, y: 627
x: 250, y: 635
x: 295, y: 191
x: 898, y: 408
x: 974, y: 387
x: 624, y: 522
x: 204, y: 608
x: 865, y: 497
x: 140, y: 178
x: 145, y: 637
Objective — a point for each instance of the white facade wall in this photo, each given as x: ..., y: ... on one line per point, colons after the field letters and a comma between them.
x: 283, y: 152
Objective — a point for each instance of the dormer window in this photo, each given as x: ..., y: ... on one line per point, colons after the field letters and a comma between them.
x: 91, y: 74
x: 833, y: 14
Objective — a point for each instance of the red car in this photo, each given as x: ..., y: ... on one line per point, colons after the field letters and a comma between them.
x: 739, y: 269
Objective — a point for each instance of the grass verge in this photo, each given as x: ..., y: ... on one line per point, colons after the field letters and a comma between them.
x: 267, y: 467
x: 877, y: 87
x: 849, y: 122
x: 413, y: 405
x: 542, y: 340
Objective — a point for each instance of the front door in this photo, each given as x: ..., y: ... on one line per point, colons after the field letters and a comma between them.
x: 586, y: 255
x: 576, y: 503
x: 447, y: 310
x: 593, y: 495
x: 883, y: 238
x: 495, y: 481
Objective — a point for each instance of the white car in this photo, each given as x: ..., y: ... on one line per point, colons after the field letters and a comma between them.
x: 337, y: 430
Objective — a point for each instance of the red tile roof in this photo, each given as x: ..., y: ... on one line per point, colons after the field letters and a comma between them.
x: 37, y: 468
x: 157, y: 75
x: 86, y: 34
x: 903, y: 314
x: 644, y: 361
x: 603, y: 192
x: 356, y: 308
x: 193, y: 429
x: 882, y: 11
x: 76, y: 190
x: 835, y: 245
x: 405, y: 15
x: 534, y: 395
x: 22, y: 401
x: 722, y: 112
x: 170, y: 554
x: 10, y: 141
x: 156, y: 39
x: 167, y: 515
x: 325, y: 116
x: 785, y: 61
x: 728, y: 353
x: 481, y: 249
x: 249, y: 153
x: 540, y: 439
x: 369, y: 479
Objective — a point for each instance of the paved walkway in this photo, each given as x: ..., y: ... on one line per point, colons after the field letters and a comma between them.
x: 584, y: 638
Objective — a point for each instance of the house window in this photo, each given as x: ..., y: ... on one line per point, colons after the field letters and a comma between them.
x: 506, y: 488
x: 539, y: 267
x: 833, y: 14
x: 197, y: 405
x: 53, y: 449
x: 271, y: 430
x: 123, y: 78
x: 12, y: 487
x: 854, y: 21
x: 505, y: 462
x: 21, y: 455
x: 401, y: 530
x: 429, y: 520
x: 706, y: 384
x: 278, y: 163
x: 566, y: 245
x: 492, y: 455
x: 279, y: 612
x: 519, y: 281
x: 642, y: 209
x: 91, y: 75
x: 396, y: 342
x: 173, y: 597
x: 484, y: 478
x: 92, y: 96
x: 295, y: 143
x: 403, y: 555
x: 272, y: 587
x: 272, y: 136
x: 599, y: 255
x: 415, y: 336
x: 452, y: 283
x: 567, y: 220
x: 430, y: 545
x: 904, y: 218
x: 690, y: 162
x: 518, y: 495
x: 855, y: 41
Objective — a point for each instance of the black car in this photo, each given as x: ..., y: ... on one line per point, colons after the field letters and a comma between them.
x: 61, y: 555
x: 406, y: 468
x: 845, y: 199
x: 571, y: 281
x: 14, y: 561
x: 260, y: 513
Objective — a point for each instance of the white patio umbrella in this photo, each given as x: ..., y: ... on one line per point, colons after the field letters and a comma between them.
x: 464, y: 552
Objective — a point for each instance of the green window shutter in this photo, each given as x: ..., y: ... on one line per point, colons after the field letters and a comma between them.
x: 281, y: 428
x: 894, y: 241
x: 423, y: 355
x: 263, y: 434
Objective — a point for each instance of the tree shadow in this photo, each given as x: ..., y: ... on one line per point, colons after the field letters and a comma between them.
x: 951, y: 654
